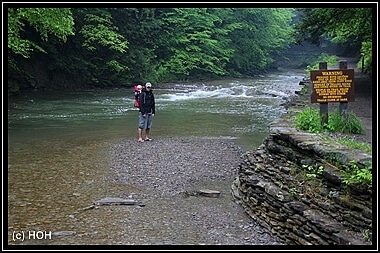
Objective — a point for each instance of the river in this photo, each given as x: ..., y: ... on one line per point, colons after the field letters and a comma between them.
x: 58, y: 142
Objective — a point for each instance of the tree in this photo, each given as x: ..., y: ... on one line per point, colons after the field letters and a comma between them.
x: 91, y: 56
x: 193, y: 42
x: 261, y: 33
x: 103, y: 46
x: 143, y: 28
x: 46, y: 21
x: 28, y: 28
x: 340, y: 25
x: 115, y: 46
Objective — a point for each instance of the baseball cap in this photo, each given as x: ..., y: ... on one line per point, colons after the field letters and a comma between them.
x: 148, y: 85
x: 139, y: 87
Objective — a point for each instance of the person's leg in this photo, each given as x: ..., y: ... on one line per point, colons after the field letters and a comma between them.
x: 140, y: 135
x: 147, y: 134
x: 148, y: 127
x: 141, y: 127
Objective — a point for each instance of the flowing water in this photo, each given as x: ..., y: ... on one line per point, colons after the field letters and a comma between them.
x: 58, y: 141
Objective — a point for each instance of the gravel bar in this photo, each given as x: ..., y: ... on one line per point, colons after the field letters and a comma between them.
x: 166, y: 174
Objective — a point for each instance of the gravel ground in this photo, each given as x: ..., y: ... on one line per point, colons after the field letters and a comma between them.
x: 167, y: 173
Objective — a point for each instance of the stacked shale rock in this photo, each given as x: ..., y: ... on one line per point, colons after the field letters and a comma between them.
x: 291, y: 186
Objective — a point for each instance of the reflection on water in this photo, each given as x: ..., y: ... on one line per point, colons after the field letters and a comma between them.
x: 58, y: 142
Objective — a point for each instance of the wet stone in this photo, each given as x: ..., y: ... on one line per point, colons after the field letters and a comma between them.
x: 209, y: 193
x: 114, y: 201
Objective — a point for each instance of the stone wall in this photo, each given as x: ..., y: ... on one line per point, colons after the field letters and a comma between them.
x: 291, y: 186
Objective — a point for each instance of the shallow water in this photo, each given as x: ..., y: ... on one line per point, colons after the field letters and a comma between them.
x: 58, y: 142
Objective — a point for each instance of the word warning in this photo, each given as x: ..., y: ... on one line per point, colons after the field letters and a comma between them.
x: 332, y: 86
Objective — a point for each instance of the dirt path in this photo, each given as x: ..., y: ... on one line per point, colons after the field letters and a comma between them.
x: 362, y: 107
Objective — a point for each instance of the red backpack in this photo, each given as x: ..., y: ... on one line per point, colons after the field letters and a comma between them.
x: 137, y: 92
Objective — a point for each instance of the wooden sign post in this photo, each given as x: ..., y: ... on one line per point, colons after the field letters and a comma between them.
x: 332, y: 86
x: 343, y: 105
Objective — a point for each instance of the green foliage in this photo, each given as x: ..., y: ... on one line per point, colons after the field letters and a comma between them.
x: 352, y: 143
x: 118, y: 45
x: 195, y: 41
x: 259, y: 33
x: 99, y: 30
x: 313, y: 171
x: 336, y: 123
x: 121, y: 45
x: 367, y: 235
x: 116, y: 66
x: 366, y: 55
x: 56, y: 21
x: 338, y: 24
x: 293, y: 191
x: 305, y: 90
x: 310, y: 120
x: 366, y: 147
x: 353, y: 174
x: 331, y: 60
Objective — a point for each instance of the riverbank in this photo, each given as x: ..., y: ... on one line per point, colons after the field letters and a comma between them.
x: 166, y: 172
x: 361, y: 106
x: 273, y: 186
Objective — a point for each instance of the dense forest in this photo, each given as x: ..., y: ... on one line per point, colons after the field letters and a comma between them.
x: 72, y: 48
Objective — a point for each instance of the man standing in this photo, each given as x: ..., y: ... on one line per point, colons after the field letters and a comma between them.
x: 146, y: 112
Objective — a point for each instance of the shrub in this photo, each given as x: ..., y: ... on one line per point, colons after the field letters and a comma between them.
x: 310, y: 120
x: 331, y: 60
x: 337, y: 123
x: 353, y: 174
